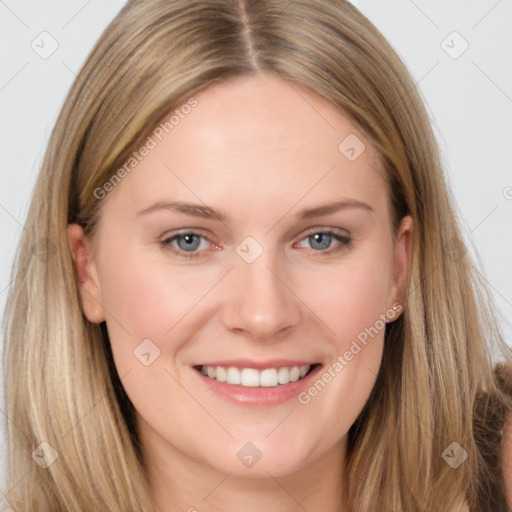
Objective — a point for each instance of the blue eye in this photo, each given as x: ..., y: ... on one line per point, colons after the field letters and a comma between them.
x: 321, y: 241
x: 187, y: 244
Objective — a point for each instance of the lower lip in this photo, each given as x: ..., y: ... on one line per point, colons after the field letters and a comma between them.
x: 259, y: 396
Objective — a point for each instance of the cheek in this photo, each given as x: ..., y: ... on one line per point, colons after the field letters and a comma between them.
x: 147, y: 299
x: 139, y: 299
x: 140, y: 303
x: 353, y: 307
x: 352, y: 296
x: 352, y: 304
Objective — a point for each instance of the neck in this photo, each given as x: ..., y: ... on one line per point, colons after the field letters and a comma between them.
x: 179, y: 483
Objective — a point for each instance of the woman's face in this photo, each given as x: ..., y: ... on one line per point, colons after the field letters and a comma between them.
x: 259, y: 275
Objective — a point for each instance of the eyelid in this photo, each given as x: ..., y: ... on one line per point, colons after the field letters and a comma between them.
x: 323, y: 229
x: 187, y: 231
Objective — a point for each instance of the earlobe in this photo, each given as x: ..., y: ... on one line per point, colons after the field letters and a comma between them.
x: 86, y: 274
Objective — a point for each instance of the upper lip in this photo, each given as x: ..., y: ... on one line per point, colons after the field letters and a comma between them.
x: 258, y: 365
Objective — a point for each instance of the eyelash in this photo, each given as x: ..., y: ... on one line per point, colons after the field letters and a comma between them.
x: 346, y: 242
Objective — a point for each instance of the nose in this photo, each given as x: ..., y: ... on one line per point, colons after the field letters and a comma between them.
x: 262, y: 303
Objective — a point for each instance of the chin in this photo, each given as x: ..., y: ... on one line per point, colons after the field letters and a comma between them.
x: 260, y: 457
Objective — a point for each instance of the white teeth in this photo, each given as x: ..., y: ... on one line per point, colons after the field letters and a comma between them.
x: 233, y: 376
x: 283, y: 375
x: 250, y: 377
x: 222, y: 375
x: 268, y: 377
x: 294, y: 373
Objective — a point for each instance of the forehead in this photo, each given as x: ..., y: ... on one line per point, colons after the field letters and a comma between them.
x: 256, y: 142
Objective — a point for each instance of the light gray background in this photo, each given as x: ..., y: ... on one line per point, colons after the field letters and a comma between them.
x: 469, y: 99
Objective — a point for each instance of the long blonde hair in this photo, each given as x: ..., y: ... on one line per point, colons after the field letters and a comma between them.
x: 436, y: 385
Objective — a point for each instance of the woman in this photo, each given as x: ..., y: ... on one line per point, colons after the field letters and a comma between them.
x: 248, y: 365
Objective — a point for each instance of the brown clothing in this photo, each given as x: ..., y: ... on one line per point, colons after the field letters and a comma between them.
x: 489, y: 422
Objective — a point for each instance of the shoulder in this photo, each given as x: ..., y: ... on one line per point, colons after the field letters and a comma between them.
x: 506, y: 458
x: 493, y: 435
x: 503, y: 376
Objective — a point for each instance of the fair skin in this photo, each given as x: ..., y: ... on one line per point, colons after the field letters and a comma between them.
x: 258, y: 152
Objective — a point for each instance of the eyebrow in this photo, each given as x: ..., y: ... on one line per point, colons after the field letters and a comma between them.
x: 197, y: 210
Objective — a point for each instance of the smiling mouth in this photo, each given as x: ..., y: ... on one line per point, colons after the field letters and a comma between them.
x: 253, y: 378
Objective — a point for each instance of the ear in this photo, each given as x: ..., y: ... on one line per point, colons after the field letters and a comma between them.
x: 401, y: 261
x: 86, y: 273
